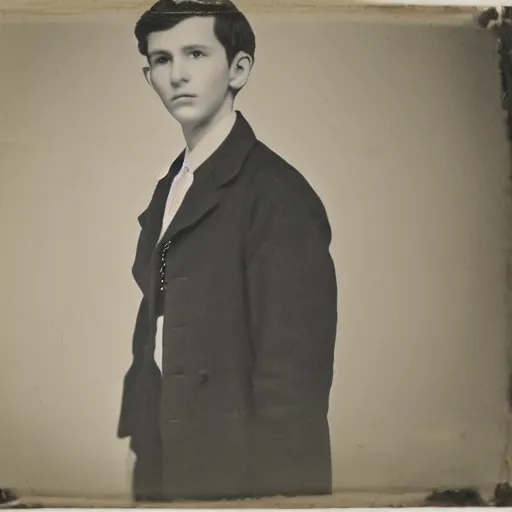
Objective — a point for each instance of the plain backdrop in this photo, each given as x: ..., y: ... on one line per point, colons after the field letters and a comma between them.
x: 399, y: 129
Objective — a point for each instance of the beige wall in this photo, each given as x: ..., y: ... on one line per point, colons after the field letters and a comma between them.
x: 400, y: 131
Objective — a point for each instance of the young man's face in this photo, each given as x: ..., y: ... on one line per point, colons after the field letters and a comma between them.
x: 188, y: 69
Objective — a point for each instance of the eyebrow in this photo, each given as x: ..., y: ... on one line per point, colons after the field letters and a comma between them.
x: 196, y: 47
x: 153, y: 53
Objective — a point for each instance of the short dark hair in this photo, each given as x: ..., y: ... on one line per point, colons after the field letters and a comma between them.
x: 230, y: 26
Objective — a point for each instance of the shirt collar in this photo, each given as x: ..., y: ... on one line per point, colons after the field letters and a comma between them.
x: 207, y: 145
x: 210, y: 142
x: 227, y: 159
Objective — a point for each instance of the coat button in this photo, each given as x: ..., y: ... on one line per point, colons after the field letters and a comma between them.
x: 204, y: 376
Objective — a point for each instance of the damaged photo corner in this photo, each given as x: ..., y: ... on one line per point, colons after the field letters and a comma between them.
x: 254, y: 258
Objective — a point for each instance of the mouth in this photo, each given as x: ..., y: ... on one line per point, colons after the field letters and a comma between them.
x: 182, y: 97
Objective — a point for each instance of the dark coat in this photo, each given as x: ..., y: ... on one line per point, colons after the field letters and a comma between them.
x: 250, y: 307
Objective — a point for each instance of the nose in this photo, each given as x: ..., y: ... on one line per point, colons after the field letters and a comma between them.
x: 179, y: 72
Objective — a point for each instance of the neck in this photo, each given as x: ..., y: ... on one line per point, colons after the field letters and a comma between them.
x: 194, y: 134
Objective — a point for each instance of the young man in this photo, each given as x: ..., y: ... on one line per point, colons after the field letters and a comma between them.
x: 227, y: 395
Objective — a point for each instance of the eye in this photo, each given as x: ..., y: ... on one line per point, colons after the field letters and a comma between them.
x: 161, y: 60
x: 196, y: 54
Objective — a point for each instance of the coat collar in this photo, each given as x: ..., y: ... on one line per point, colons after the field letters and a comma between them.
x: 226, y: 162
x: 218, y: 170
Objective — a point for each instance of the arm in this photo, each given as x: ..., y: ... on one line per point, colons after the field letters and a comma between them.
x: 125, y: 422
x: 292, y: 291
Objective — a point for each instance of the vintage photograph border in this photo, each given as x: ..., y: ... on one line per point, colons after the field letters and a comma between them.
x: 497, y: 20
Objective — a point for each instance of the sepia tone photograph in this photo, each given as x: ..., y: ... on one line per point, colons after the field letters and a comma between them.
x: 255, y: 255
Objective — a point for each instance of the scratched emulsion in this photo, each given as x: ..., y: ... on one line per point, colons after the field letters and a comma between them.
x: 394, y: 10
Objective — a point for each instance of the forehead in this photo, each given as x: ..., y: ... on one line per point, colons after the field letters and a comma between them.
x: 189, y: 32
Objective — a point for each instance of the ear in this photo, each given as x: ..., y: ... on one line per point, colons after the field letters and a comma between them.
x: 239, y: 70
x: 147, y: 74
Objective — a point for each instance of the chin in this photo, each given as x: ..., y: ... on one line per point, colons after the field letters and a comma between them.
x: 186, y: 115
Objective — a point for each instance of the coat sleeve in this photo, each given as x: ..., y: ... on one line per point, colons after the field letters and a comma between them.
x: 292, y: 290
x: 125, y: 423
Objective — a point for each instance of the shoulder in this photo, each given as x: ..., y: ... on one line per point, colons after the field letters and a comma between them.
x: 274, y: 177
x: 280, y: 205
x: 277, y: 186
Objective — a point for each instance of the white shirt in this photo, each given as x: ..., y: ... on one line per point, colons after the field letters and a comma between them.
x: 180, y: 186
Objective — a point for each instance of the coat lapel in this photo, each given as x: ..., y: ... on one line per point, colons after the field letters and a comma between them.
x: 150, y: 221
x: 203, y: 196
x: 218, y: 170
